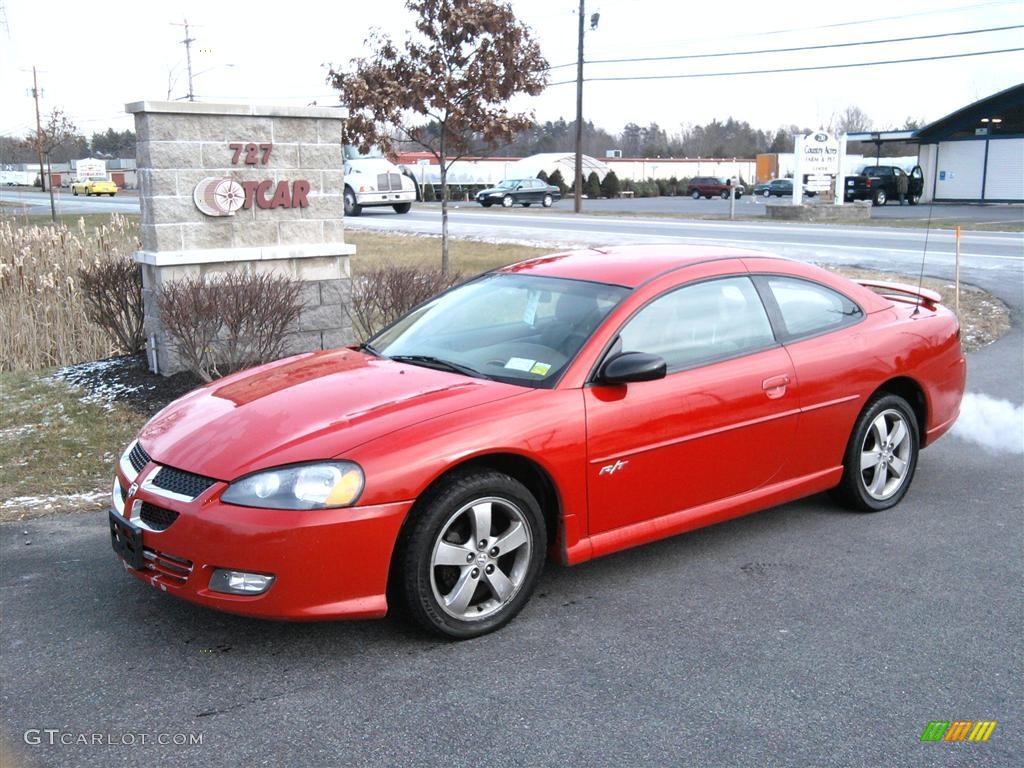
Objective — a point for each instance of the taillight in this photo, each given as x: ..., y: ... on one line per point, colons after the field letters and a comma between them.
x: 868, y: 183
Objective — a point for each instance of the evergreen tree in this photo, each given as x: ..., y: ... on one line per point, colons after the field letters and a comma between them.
x: 610, y: 186
x: 556, y: 180
x: 593, y: 186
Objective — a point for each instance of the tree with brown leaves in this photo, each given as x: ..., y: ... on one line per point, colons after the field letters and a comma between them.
x: 447, y: 84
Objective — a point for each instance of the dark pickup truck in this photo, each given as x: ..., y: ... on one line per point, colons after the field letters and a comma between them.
x: 877, y: 183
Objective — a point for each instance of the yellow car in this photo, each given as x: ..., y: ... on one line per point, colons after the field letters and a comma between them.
x: 94, y: 186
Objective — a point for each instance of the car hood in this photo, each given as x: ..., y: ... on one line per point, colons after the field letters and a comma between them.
x: 305, y: 408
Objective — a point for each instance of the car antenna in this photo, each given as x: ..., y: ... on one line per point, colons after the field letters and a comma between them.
x: 920, y: 277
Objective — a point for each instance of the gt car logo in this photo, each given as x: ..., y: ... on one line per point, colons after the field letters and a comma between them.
x: 611, y: 469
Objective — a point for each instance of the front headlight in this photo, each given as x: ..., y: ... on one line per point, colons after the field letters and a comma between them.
x: 323, y: 485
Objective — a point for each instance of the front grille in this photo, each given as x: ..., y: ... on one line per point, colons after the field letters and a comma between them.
x: 389, y: 182
x: 138, y: 457
x: 173, y: 568
x: 157, y: 518
x: 184, y: 483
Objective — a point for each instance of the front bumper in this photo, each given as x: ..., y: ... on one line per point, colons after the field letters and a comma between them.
x: 385, y: 198
x: 327, y: 564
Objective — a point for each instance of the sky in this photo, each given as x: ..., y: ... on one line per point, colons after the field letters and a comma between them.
x: 94, y: 57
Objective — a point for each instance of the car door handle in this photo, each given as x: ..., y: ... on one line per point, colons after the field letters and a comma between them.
x: 775, y: 386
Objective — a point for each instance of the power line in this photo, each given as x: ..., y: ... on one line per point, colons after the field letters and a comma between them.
x: 795, y: 69
x: 805, y: 47
x: 862, y: 22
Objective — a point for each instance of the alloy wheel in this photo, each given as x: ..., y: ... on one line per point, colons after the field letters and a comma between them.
x: 480, y: 558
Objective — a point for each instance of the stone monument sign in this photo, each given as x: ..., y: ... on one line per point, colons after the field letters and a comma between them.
x: 231, y: 187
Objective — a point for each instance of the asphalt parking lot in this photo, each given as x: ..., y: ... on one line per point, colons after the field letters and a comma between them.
x: 798, y: 636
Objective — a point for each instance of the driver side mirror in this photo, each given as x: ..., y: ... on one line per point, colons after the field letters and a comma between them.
x: 629, y: 367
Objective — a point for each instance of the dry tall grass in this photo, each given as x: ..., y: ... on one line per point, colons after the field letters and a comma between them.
x: 42, y: 311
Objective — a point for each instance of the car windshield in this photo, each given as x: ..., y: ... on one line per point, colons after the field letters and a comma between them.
x: 509, y: 184
x: 520, y: 329
x: 352, y: 152
x: 96, y: 178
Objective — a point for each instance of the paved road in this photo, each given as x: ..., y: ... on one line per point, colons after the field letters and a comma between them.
x: 993, y: 260
x: 38, y: 203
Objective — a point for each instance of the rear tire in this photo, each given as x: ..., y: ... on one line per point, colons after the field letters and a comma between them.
x: 914, y: 199
x: 471, y: 555
x: 881, y: 456
x: 724, y: 195
x: 548, y: 200
x: 74, y: 192
x: 880, y: 198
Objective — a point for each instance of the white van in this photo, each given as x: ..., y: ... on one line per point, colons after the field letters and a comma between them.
x: 371, y: 179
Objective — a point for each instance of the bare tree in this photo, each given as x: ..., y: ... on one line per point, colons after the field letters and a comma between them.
x: 850, y: 120
x: 446, y: 86
x: 58, y: 130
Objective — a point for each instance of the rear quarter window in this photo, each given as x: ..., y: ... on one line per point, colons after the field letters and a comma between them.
x: 807, y: 308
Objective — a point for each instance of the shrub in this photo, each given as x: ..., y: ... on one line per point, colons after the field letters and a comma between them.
x: 112, y: 292
x: 592, y: 187
x: 610, y: 185
x: 221, y: 326
x: 662, y: 185
x: 389, y: 291
x: 556, y: 180
x: 429, y: 195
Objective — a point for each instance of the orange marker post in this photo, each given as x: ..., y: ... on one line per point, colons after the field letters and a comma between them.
x: 957, y: 281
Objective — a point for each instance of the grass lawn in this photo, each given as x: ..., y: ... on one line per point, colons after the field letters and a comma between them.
x: 57, y: 453
x: 466, y: 256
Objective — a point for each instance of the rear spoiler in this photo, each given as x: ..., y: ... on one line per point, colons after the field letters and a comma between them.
x: 910, y: 294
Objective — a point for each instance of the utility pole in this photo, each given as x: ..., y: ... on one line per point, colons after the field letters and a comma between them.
x: 577, y: 203
x: 39, y: 133
x: 188, y: 58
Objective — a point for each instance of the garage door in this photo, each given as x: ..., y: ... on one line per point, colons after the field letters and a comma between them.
x: 960, y: 167
x: 1004, y: 176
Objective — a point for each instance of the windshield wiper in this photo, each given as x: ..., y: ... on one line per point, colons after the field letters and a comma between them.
x: 436, y: 362
x: 367, y: 346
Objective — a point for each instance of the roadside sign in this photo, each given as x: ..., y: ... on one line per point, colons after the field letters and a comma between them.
x: 90, y: 168
x: 819, y: 155
x: 818, y: 183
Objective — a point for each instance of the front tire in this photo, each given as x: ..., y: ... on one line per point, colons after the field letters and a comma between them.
x: 485, y: 203
x: 507, y: 201
x: 914, y: 199
x: 352, y: 208
x: 767, y: 193
x: 472, y: 555
x: 695, y: 195
x: 402, y: 207
x: 74, y: 192
x: 881, y: 456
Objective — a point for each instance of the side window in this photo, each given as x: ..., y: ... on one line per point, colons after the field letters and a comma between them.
x: 700, y: 323
x: 810, y: 308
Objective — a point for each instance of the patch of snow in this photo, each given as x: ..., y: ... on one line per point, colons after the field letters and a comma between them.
x: 46, y: 502
x: 12, y: 432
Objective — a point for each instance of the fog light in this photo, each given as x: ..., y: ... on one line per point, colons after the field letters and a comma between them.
x: 240, y: 582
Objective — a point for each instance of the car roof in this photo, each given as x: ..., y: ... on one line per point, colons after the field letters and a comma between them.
x: 627, y: 265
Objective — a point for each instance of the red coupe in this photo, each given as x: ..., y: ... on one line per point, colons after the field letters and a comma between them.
x: 567, y: 407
